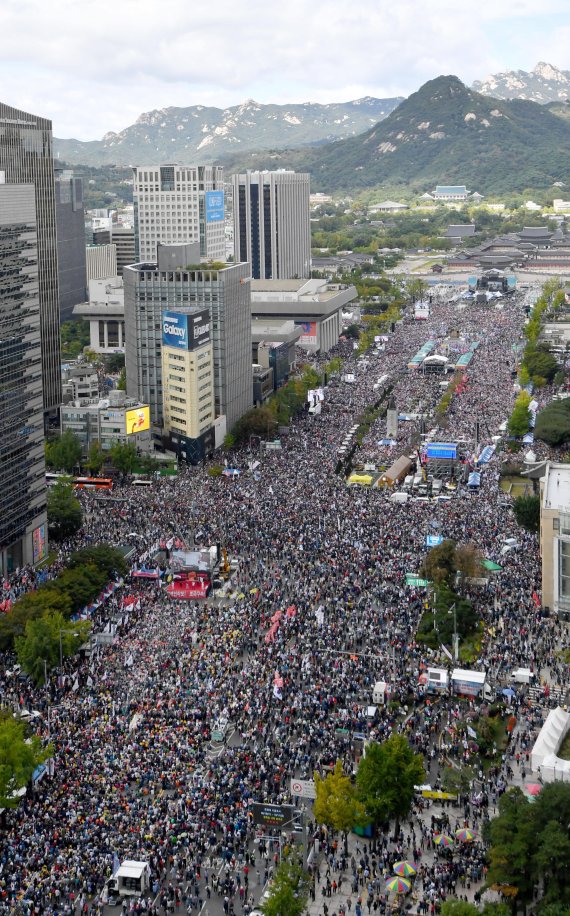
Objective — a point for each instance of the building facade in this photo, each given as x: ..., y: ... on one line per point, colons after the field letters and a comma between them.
x: 71, y: 259
x: 123, y: 239
x: 105, y: 312
x: 315, y: 307
x: 23, y: 519
x: 26, y: 157
x: 152, y: 289
x: 188, y: 399
x: 109, y: 421
x: 555, y: 538
x: 101, y: 262
x: 175, y: 204
x: 272, y: 228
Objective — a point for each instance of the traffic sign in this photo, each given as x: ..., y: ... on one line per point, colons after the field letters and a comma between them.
x: 303, y: 788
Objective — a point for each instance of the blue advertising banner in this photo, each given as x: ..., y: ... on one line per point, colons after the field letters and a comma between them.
x: 175, y: 330
x: 215, y: 206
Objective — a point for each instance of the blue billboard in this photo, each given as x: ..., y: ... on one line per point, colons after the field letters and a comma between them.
x: 175, y: 330
x: 215, y: 206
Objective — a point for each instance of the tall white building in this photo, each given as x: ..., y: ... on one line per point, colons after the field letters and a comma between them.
x: 179, y: 204
x: 272, y: 228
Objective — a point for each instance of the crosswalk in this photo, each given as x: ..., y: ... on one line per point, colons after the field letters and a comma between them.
x: 556, y: 693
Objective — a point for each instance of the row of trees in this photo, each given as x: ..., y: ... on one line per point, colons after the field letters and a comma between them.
x: 64, y: 453
x: 39, y: 625
x: 281, y: 407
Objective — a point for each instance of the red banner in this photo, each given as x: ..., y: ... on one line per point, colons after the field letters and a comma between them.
x: 188, y: 589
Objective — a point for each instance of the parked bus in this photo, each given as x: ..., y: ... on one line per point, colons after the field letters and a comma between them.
x: 93, y: 483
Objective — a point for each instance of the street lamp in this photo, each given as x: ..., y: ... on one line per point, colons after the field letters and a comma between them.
x: 453, y: 610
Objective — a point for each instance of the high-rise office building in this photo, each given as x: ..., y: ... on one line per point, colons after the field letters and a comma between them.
x: 123, y: 239
x: 101, y: 262
x: 272, y: 228
x: 153, y: 289
x: 188, y: 399
x: 178, y: 204
x: 23, y: 524
x: 70, y: 221
x: 26, y: 158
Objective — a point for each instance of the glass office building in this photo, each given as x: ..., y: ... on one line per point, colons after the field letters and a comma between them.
x: 26, y: 158
x: 23, y: 525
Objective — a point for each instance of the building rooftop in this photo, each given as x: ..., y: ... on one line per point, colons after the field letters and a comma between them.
x: 556, y: 487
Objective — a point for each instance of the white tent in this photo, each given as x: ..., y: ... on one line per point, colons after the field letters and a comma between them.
x: 546, y: 746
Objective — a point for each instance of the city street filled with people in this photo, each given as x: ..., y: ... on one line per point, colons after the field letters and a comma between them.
x: 137, y: 774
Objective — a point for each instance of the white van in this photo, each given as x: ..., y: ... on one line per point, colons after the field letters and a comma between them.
x: 408, y: 483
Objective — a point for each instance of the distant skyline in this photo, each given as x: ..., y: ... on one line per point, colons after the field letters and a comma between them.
x: 96, y: 68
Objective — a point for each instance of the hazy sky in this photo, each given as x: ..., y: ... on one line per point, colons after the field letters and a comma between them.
x: 94, y: 67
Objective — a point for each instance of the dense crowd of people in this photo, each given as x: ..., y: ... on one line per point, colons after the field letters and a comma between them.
x: 136, y: 773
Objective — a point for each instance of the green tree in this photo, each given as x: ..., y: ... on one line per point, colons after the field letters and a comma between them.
x: 553, y: 424
x: 148, y: 464
x: 74, y: 336
x: 39, y: 648
x: 122, y: 383
x: 512, y: 844
x: 416, y: 288
x: 123, y: 457
x: 64, y: 452
x: 527, y: 512
x: 115, y: 362
x: 29, y: 607
x: 440, y: 563
x: 457, y: 780
x: 64, y: 512
x: 288, y: 890
x: 110, y: 561
x: 386, y: 778
x: 519, y: 420
x: 81, y: 584
x: 20, y: 754
x: 352, y: 332
x: 95, y: 459
x: 540, y: 363
x: 336, y: 803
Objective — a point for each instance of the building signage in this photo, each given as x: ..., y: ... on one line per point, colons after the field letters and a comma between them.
x: 215, y: 207
x: 267, y: 815
x: 137, y: 420
x: 175, y: 330
x: 39, y: 548
x: 185, y: 331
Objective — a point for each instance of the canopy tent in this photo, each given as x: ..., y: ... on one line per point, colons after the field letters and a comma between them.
x: 544, y: 755
x: 492, y: 567
x: 474, y: 480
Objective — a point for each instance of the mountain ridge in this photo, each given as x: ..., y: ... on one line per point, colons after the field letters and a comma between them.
x: 543, y: 84
x: 185, y: 133
x: 443, y: 133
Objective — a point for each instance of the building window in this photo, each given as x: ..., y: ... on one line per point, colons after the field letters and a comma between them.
x: 564, y: 571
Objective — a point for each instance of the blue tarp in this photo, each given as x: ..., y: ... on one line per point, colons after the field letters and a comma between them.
x: 442, y: 450
x: 486, y: 454
x: 528, y: 439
